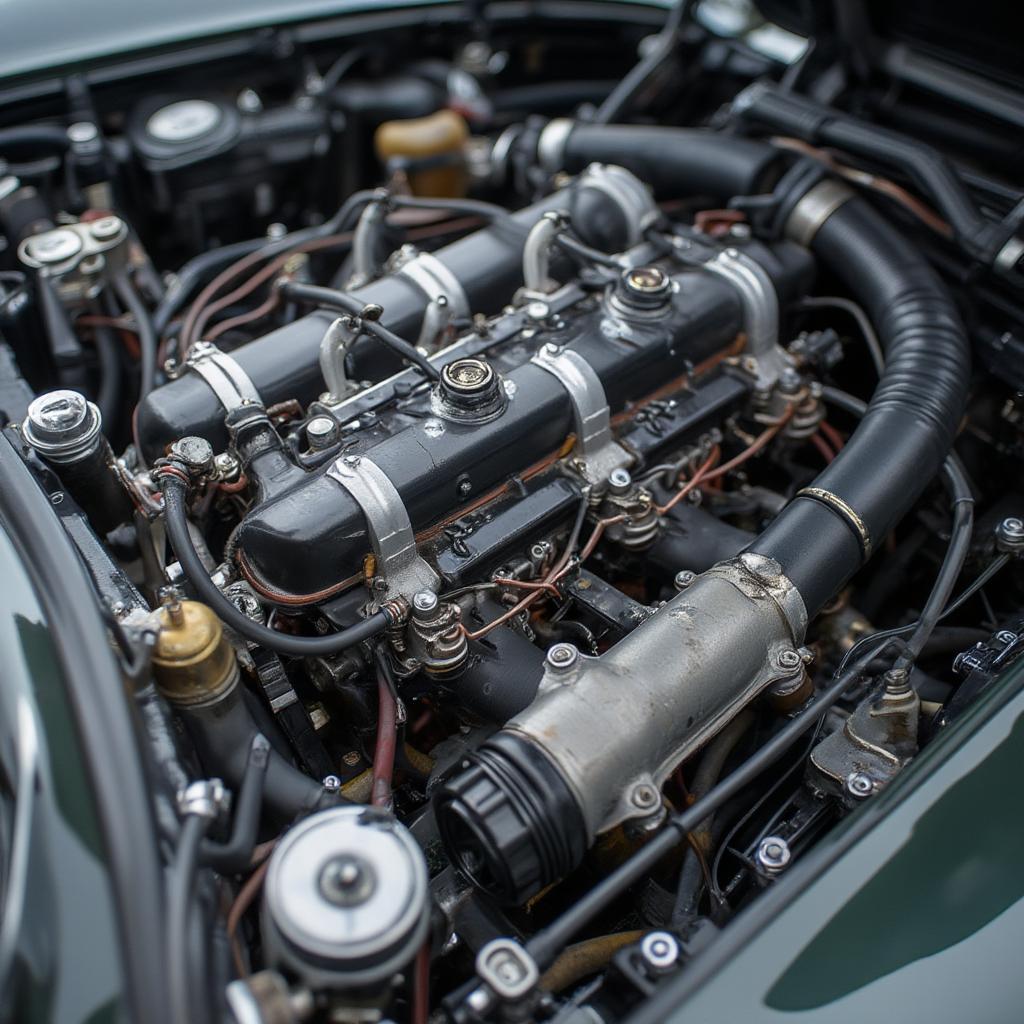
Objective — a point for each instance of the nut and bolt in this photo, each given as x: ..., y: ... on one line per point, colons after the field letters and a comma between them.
x: 644, y: 796
x: 684, y: 579
x: 660, y: 951
x: 195, y: 453
x: 351, y: 461
x: 788, y: 660
x: 619, y: 480
x: 424, y: 604
x: 347, y: 880
x: 106, y: 228
x: 537, y: 310
x: 859, y: 785
x: 562, y: 656
x: 322, y: 432
x: 1010, y: 534
x: 773, y: 854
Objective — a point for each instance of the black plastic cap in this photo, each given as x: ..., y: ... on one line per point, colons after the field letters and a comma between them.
x: 509, y: 821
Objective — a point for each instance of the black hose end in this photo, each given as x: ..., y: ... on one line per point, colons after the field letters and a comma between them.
x: 509, y: 821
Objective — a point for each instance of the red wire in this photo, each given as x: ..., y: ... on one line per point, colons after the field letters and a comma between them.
x: 387, y: 739
x: 823, y: 447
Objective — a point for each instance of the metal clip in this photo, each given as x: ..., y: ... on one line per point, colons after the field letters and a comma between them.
x: 399, y: 564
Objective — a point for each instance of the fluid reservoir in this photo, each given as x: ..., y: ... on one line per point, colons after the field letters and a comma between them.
x: 432, y: 145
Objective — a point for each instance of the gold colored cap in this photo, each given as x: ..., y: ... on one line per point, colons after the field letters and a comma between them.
x: 193, y: 663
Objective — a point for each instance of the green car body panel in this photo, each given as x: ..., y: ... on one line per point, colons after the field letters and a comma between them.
x: 912, y: 910
x: 69, y: 962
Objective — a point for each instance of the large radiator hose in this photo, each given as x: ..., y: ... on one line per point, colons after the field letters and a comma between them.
x: 596, y: 745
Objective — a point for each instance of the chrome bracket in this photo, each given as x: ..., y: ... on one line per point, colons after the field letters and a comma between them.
x: 760, y: 306
x: 399, y: 563
x: 337, y: 342
x: 226, y: 379
x: 437, y: 282
x: 596, y: 448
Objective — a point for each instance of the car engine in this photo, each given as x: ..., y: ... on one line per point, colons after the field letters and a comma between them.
x: 541, y: 468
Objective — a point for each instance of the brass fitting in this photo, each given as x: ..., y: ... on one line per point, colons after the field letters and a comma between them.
x: 193, y: 663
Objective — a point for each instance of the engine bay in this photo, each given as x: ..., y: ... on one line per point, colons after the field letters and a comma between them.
x: 541, y: 470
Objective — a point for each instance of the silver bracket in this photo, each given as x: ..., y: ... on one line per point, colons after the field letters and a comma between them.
x: 537, y: 253
x: 760, y: 306
x: 399, y: 563
x: 227, y: 380
x: 337, y: 342
x: 596, y: 448
x: 437, y: 282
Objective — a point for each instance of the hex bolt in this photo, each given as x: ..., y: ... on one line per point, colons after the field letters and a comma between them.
x: 773, y: 854
x: 351, y: 461
x: 619, y: 480
x: 562, y: 656
x: 788, y: 660
x: 1010, y: 534
x: 660, y: 951
x: 859, y: 785
x: 424, y: 603
x: 322, y: 432
x: 684, y: 578
x: 537, y: 310
x: 644, y: 796
x: 331, y: 783
x: 195, y: 453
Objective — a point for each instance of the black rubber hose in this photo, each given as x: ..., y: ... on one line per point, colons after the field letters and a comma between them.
x: 33, y: 137
x: 329, y: 298
x: 181, y: 898
x: 236, y: 853
x: 145, y: 331
x: 176, y: 520
x: 674, y: 161
x: 959, y: 489
x: 766, y: 106
x: 909, y: 424
x: 108, y: 358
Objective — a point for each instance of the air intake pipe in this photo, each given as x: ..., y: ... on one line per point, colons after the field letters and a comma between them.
x: 596, y: 745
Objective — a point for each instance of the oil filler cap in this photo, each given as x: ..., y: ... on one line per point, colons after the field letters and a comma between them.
x: 469, y: 390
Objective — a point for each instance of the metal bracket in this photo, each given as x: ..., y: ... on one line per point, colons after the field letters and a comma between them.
x: 760, y: 306
x: 596, y: 448
x: 337, y: 342
x: 537, y: 253
x: 399, y: 563
x: 226, y: 379
x: 437, y: 282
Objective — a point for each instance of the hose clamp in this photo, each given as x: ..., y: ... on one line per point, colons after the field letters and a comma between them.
x: 816, y: 206
x: 400, y: 568
x: 226, y: 379
x: 845, y: 512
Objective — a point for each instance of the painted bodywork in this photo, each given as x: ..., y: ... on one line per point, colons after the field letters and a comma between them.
x: 912, y: 909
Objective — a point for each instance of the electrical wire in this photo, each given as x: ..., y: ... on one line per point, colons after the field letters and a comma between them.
x: 387, y: 733
x: 144, y: 329
x: 176, y: 522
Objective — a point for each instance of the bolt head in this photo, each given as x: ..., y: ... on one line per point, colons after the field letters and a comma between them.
x: 562, y: 656
x: 644, y: 796
x: 619, y: 479
x: 53, y: 246
x: 347, y: 880
x: 788, y: 660
x: 322, y: 432
x: 859, y: 785
x: 684, y: 579
x: 424, y: 602
x: 537, y: 310
x: 106, y: 228
x: 773, y: 854
x: 195, y: 452
x: 331, y: 783
x: 1010, y: 534
x: 660, y: 950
